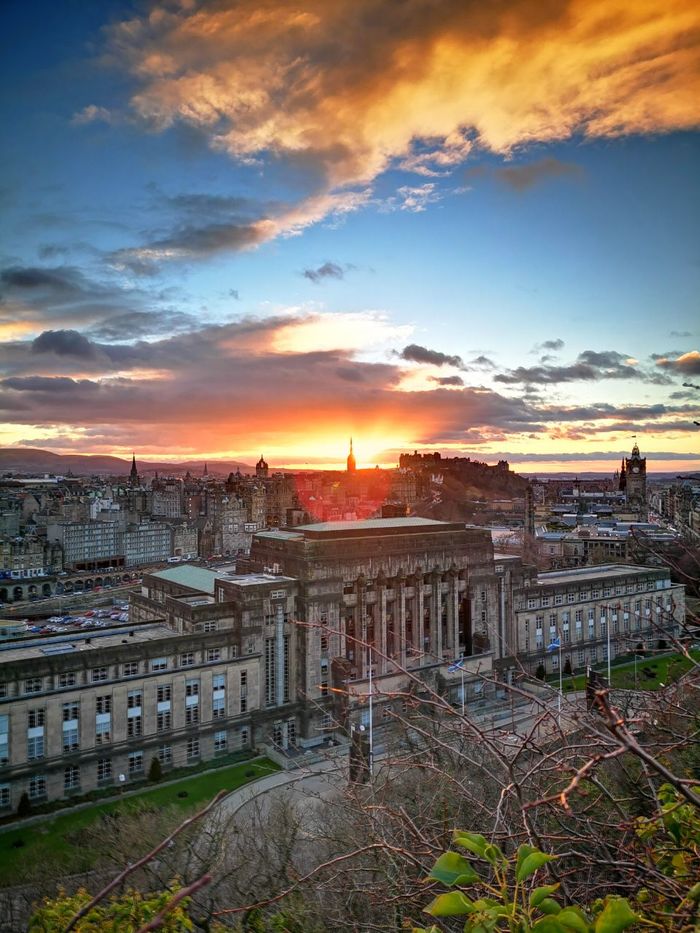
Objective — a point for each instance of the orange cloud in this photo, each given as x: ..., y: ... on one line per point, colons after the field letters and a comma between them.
x: 356, y: 84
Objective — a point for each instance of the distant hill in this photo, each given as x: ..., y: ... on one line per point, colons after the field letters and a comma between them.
x: 36, y: 460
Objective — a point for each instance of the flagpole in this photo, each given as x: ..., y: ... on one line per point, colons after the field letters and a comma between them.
x: 561, y: 683
x: 609, y: 674
x: 462, y: 672
x: 371, y: 749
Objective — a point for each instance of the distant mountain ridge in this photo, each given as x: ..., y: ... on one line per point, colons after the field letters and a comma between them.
x: 36, y: 460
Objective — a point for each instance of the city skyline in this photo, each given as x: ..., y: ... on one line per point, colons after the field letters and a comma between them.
x: 256, y: 227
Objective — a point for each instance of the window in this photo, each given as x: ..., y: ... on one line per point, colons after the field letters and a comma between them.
x: 558, y: 599
x: 36, y: 717
x: 327, y: 721
x: 71, y: 727
x: 71, y: 777
x: 159, y: 664
x: 5, y: 802
x: 134, y: 698
x: 134, y: 726
x: 213, y: 654
x: 104, y: 769
x: 244, y: 680
x: 130, y: 668
x: 165, y: 754
x: 192, y: 749
x: 244, y: 704
x: 33, y: 685
x: 37, y: 787
x: 135, y: 762
x: 324, y: 643
x: 103, y: 704
x: 220, y: 741
x: 187, y: 659
x: 67, y: 679
x: 571, y: 597
x: 324, y: 688
x: 209, y: 626
x: 532, y: 604
x: 243, y: 737
x: 97, y: 674
x: 386, y: 712
x: 163, y: 721
x: 164, y: 693
x: 4, y: 739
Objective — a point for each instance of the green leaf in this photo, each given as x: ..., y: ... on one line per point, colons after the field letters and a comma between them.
x: 571, y: 918
x: 451, y: 869
x: 454, y: 904
x: 617, y: 915
x: 539, y: 894
x: 549, y: 906
x: 531, y: 862
x: 493, y: 854
x: 548, y: 925
x: 471, y: 841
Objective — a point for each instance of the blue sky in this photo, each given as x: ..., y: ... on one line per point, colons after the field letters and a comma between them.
x: 229, y: 226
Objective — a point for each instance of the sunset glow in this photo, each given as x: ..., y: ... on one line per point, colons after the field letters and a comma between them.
x: 257, y: 227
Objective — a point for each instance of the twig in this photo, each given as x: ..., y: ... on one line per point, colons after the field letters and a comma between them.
x: 142, y: 861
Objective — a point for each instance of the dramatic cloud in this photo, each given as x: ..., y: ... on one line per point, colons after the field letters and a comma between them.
x: 358, y: 86
x: 448, y: 380
x: 687, y: 365
x: 522, y: 177
x: 329, y: 270
x: 589, y: 366
x: 63, y: 343
x: 414, y: 353
x: 66, y: 298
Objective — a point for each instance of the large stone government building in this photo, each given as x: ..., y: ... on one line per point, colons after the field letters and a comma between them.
x: 212, y: 661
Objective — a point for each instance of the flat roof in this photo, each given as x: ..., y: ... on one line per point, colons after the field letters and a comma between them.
x: 196, y: 578
x: 577, y: 574
x: 76, y: 642
x: 256, y: 579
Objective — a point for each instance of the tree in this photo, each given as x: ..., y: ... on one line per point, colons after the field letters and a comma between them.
x: 567, y: 667
x: 24, y: 807
x: 155, y: 771
x: 540, y: 673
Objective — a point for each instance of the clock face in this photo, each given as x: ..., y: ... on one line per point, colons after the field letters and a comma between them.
x: 635, y: 469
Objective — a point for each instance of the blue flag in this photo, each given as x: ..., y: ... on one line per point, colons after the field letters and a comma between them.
x: 554, y: 645
x: 455, y: 666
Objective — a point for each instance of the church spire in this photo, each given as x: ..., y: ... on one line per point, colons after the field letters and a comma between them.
x: 133, y: 474
x: 352, y: 465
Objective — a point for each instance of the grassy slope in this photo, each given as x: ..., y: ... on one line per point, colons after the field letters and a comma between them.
x: 51, y: 839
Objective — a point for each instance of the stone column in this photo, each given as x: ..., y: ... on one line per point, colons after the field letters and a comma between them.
x: 380, y: 620
x: 279, y: 654
x: 418, y: 610
x: 400, y: 617
x: 453, y: 611
x: 436, y: 616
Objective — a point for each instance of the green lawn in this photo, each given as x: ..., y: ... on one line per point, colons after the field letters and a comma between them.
x: 53, y: 839
x: 665, y: 670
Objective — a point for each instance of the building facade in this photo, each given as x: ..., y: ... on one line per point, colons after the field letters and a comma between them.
x: 589, y: 609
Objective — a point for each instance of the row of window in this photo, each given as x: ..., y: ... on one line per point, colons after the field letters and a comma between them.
x: 535, y: 602
x: 128, y: 669
x: 36, y: 788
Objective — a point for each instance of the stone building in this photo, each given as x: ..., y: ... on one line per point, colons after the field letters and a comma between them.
x: 587, y: 608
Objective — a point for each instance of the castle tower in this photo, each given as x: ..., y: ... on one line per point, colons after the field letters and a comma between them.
x: 352, y: 465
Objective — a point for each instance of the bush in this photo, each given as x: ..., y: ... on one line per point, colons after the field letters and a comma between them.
x: 567, y: 667
x: 24, y: 807
x: 540, y: 672
x: 155, y: 772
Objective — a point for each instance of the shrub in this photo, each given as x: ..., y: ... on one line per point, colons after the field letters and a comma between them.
x: 24, y: 807
x: 155, y: 772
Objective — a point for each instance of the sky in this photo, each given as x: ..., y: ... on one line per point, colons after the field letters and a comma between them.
x: 264, y: 226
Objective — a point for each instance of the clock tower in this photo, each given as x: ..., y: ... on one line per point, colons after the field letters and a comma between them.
x: 636, y: 481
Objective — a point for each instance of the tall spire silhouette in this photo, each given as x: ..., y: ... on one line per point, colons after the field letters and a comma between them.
x: 352, y: 465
